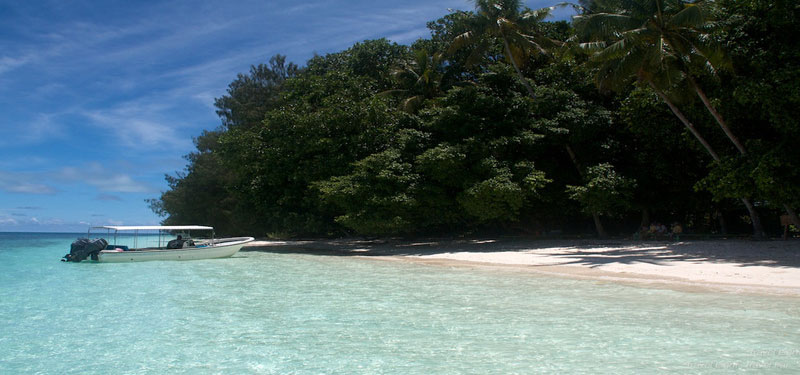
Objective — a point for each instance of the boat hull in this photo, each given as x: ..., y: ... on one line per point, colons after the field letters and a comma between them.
x: 222, y: 248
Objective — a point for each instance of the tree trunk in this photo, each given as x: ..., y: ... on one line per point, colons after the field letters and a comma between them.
x: 685, y: 121
x: 645, y: 218
x: 723, y: 225
x: 601, y: 232
x: 792, y: 216
x: 734, y: 140
x: 519, y: 72
x: 758, y: 229
x: 574, y: 159
x: 717, y: 116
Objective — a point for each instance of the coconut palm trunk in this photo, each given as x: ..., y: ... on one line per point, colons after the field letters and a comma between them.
x: 758, y: 228
x: 516, y: 68
x: 717, y: 116
x: 684, y: 120
x: 722, y: 124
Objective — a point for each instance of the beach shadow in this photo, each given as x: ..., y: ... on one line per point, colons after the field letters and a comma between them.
x: 588, y: 253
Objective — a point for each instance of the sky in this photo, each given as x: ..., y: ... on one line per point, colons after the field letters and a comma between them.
x: 99, y: 100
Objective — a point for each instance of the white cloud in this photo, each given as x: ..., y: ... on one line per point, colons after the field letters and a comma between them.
x: 43, y: 127
x: 8, y: 63
x: 8, y: 221
x: 28, y: 188
x: 25, y: 183
x: 409, y: 36
x: 108, y: 197
x: 140, y: 124
x: 104, y: 179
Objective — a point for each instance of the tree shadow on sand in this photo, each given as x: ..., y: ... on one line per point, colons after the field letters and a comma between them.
x: 588, y: 253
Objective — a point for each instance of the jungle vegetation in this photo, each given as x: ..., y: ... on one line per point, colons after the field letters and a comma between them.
x: 636, y: 111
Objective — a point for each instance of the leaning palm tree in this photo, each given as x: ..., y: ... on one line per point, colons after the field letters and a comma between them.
x: 656, y: 42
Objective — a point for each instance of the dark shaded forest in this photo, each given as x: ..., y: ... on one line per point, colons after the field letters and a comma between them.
x: 635, y: 112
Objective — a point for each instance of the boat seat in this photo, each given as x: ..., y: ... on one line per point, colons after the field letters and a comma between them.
x: 175, y: 244
x: 114, y: 247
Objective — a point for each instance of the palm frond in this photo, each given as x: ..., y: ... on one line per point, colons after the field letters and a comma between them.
x: 461, y: 41
x: 710, y: 54
x: 526, y: 43
x: 593, y: 46
x: 614, y: 51
x: 691, y: 16
x: 411, y: 104
x: 518, y: 55
x: 477, y: 53
x: 576, y: 7
x: 537, y: 15
x: 543, y: 41
x: 393, y: 92
x: 601, y: 26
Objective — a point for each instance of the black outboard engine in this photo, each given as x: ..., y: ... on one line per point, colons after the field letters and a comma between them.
x: 83, y: 248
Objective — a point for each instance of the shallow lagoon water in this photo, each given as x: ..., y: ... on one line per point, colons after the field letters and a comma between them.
x: 309, y: 314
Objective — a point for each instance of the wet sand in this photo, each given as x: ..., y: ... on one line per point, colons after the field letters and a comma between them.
x: 738, y: 266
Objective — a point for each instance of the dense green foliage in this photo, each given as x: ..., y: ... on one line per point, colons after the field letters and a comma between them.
x: 496, y: 123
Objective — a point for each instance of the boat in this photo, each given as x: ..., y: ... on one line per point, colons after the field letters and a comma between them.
x: 180, y: 248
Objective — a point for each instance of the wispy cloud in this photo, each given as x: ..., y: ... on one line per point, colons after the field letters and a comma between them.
x: 25, y: 161
x: 141, y: 123
x: 298, y: 8
x: 93, y: 174
x: 9, y: 63
x: 108, y: 197
x: 129, y: 84
x: 5, y: 221
x: 24, y: 183
x: 42, y: 128
x: 103, y: 179
x: 409, y: 36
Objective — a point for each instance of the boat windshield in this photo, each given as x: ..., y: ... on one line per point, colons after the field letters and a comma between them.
x: 159, y: 237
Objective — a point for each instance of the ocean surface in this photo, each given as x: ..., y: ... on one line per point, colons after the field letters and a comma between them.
x: 265, y: 313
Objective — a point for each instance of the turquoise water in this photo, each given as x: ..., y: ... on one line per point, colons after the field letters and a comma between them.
x: 263, y: 313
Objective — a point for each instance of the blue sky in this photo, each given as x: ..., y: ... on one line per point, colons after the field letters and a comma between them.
x: 101, y: 99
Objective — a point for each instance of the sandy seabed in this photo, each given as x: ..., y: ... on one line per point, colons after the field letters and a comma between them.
x: 737, y: 266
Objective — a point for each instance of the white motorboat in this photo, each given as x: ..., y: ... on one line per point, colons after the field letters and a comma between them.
x: 182, y: 248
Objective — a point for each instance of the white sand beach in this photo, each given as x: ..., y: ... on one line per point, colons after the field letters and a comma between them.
x: 739, y: 266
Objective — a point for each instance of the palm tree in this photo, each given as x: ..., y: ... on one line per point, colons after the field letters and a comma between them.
x: 419, y: 78
x: 656, y: 42
x: 507, y: 22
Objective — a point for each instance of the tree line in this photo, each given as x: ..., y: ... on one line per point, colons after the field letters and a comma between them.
x: 637, y: 111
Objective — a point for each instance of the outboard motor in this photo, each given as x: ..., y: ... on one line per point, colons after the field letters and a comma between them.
x: 83, y: 248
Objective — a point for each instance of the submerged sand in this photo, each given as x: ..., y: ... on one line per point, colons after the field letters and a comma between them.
x: 740, y: 266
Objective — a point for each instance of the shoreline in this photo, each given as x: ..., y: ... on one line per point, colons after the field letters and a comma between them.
x: 731, y: 266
